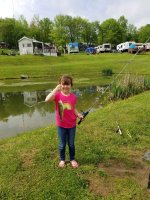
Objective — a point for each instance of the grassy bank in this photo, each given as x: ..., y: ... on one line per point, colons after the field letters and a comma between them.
x: 84, y: 68
x: 111, y: 165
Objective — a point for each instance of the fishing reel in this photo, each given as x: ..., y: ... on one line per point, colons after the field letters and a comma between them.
x: 84, y: 115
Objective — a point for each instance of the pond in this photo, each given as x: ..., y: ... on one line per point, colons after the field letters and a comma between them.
x: 24, y: 111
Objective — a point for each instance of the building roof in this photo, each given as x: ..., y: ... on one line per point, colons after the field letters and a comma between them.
x: 31, y: 39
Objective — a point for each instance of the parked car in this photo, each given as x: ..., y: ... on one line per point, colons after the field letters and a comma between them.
x: 106, y: 47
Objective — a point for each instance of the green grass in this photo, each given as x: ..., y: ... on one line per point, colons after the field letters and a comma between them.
x: 111, y: 165
x: 14, y: 66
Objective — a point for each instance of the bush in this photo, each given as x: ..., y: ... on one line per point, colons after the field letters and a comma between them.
x: 107, y: 72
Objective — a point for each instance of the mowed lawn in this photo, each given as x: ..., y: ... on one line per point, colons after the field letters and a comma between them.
x: 80, y: 65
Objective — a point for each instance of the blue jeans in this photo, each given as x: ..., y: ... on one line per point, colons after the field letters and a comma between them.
x: 67, y: 135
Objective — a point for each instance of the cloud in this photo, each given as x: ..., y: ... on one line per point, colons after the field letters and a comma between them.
x: 136, y: 11
x: 5, y: 9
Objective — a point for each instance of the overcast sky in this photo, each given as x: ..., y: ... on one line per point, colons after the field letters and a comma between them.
x: 137, y: 12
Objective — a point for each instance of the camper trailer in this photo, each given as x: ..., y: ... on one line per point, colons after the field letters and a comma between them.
x: 137, y: 48
x: 147, y: 45
x: 73, y: 47
x: 123, y: 47
x: 103, y: 48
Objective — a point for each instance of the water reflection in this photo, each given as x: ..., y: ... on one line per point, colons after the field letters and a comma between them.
x: 30, y: 98
x: 23, y: 111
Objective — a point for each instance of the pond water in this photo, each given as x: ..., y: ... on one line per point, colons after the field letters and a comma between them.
x: 24, y: 111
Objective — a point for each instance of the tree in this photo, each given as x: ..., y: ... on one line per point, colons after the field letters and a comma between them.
x: 94, y: 32
x: 21, y: 29
x: 78, y: 28
x: 45, y: 28
x: 144, y: 33
x: 1, y: 29
x: 110, y: 32
x: 132, y: 33
x: 70, y: 28
x: 123, y: 23
x: 90, y: 32
x: 61, y: 33
x: 67, y: 29
x: 8, y: 31
x: 34, y: 30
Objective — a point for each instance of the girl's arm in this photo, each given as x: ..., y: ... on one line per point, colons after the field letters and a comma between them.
x: 79, y: 115
x: 50, y: 96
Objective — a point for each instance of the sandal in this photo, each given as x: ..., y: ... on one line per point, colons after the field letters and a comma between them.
x: 74, y: 164
x: 61, y: 164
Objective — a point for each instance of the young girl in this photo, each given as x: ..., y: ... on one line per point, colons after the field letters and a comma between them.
x: 66, y: 115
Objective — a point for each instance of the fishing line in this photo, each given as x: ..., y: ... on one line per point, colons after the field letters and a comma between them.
x: 105, y: 90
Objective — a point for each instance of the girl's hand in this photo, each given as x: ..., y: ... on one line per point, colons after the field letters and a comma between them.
x: 80, y: 116
x: 50, y: 96
x: 58, y: 87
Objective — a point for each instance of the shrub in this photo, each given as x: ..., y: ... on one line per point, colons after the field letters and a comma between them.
x: 107, y: 72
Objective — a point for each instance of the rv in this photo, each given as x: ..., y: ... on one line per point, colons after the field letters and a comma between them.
x: 123, y: 47
x: 103, y: 48
x: 137, y: 48
x: 147, y: 45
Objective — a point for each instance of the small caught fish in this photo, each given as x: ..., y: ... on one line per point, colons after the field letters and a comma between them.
x: 60, y: 109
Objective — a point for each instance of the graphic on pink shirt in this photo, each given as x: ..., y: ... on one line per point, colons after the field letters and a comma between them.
x: 61, y: 107
x: 65, y: 108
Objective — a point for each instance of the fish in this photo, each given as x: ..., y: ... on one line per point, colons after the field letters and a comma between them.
x: 60, y: 109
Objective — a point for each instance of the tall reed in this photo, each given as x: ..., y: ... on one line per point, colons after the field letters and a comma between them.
x: 128, y: 86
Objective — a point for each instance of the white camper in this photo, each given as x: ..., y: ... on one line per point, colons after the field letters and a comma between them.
x: 106, y: 47
x: 120, y: 47
x: 123, y: 47
x: 137, y: 48
x: 147, y: 45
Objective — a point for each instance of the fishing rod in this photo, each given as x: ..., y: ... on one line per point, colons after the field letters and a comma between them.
x: 85, y: 113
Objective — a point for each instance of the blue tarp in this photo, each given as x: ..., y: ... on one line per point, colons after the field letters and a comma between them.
x: 132, y: 46
x: 90, y: 50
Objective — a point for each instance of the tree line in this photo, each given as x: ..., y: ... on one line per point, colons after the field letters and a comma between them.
x: 64, y: 29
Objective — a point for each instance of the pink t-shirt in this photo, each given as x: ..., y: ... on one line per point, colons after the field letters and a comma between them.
x: 65, y: 107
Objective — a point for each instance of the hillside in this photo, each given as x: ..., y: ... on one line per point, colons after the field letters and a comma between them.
x: 111, y: 165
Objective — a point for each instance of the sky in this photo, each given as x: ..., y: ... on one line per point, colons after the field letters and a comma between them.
x: 137, y: 12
